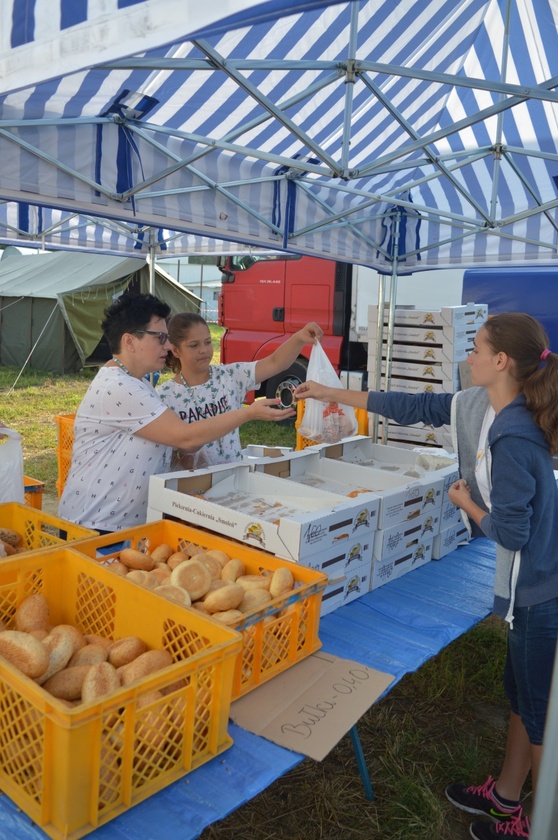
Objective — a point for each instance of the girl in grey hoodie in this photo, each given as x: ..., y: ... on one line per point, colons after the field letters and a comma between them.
x: 505, y: 432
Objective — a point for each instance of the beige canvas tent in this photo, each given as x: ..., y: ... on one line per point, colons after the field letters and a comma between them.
x: 52, y: 305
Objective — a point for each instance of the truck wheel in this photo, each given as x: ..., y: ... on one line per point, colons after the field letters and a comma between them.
x: 283, y: 385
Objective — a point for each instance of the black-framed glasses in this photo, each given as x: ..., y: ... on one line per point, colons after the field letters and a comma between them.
x: 162, y: 336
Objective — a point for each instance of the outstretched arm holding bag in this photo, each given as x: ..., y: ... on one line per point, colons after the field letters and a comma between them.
x: 325, y: 422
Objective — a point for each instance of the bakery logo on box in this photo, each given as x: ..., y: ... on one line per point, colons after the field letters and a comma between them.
x: 255, y: 532
x: 428, y: 526
x: 352, y: 586
x: 355, y: 555
x: 362, y: 519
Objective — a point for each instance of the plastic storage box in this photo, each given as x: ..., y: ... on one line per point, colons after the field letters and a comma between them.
x: 40, y: 530
x: 72, y: 769
x: 33, y: 492
x: 282, y: 633
x: 65, y: 423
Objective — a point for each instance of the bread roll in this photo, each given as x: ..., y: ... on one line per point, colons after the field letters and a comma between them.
x: 147, y: 663
x: 282, y: 581
x: 162, y: 552
x: 7, y: 548
x: 219, y: 555
x: 125, y: 650
x: 33, y: 613
x: 193, y: 576
x: 100, y: 680
x: 212, y: 564
x: 89, y: 655
x: 253, y: 581
x: 60, y: 646
x: 8, y: 535
x: 233, y: 569
x: 24, y: 652
x: 226, y: 597
x: 254, y: 599
x: 174, y: 593
x: 228, y: 616
x: 118, y: 568
x: 136, y: 559
x: 93, y: 639
x: 177, y: 558
x: 66, y: 684
x: 160, y: 574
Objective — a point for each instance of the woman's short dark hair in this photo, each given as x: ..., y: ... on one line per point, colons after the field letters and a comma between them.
x: 128, y: 313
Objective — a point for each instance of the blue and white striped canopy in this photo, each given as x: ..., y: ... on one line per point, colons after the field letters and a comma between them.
x: 418, y: 131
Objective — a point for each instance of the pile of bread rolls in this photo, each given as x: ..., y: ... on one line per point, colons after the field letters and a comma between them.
x: 209, y: 581
x: 74, y: 667
x: 10, y: 542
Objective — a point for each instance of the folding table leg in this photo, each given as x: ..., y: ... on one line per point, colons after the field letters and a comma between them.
x: 361, y: 763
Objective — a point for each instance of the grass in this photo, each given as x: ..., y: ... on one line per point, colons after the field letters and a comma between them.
x: 444, y: 723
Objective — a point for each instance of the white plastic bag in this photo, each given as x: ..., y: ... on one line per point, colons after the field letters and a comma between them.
x: 11, y: 466
x: 325, y: 422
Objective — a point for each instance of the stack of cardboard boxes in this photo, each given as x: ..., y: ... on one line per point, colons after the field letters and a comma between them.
x: 363, y: 513
x: 428, y: 347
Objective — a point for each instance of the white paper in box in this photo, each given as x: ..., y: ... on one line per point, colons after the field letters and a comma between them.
x: 260, y: 510
x: 388, y: 542
x: 400, y: 564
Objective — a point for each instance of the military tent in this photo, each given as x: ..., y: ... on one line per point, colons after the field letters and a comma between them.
x: 52, y: 305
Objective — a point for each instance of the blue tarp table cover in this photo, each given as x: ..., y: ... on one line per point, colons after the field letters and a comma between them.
x: 396, y: 629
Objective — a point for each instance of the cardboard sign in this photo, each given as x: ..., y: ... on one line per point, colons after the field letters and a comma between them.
x: 310, y: 706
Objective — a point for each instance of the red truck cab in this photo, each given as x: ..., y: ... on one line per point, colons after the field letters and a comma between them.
x: 265, y: 299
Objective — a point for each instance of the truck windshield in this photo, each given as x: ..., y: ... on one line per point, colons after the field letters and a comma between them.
x: 241, y: 263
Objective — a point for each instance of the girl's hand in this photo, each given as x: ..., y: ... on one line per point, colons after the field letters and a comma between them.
x: 269, y: 410
x: 459, y: 493
x: 311, y: 333
x: 312, y: 390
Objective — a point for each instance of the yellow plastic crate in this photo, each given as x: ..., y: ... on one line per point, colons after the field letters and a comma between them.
x: 33, y: 492
x: 65, y: 423
x: 40, y: 530
x: 281, y: 634
x: 302, y: 442
x: 72, y: 769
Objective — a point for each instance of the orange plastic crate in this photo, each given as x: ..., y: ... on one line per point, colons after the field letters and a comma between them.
x: 72, y: 769
x: 281, y: 634
x: 33, y: 492
x: 302, y: 442
x: 65, y: 423
x: 40, y: 530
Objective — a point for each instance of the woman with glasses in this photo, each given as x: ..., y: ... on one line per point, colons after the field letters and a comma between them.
x: 123, y: 432
x: 200, y: 390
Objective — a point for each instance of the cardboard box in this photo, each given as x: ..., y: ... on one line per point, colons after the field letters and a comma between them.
x: 469, y: 313
x: 438, y: 371
x: 400, y: 564
x: 259, y: 510
x: 445, y: 353
x: 349, y: 587
x: 419, y: 435
x: 389, y: 542
x: 421, y: 333
x: 310, y: 707
x: 341, y: 560
x: 420, y: 386
x: 363, y: 451
x: 449, y: 515
x: 449, y: 539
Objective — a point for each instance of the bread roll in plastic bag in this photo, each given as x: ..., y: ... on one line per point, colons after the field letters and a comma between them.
x: 11, y: 466
x: 325, y: 422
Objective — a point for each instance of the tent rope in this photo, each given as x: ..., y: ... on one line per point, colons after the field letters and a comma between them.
x: 32, y: 350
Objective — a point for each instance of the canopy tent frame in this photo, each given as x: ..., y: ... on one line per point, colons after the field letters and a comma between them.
x: 351, y: 186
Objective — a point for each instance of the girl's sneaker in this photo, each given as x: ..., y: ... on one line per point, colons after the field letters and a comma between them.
x: 517, y: 827
x: 481, y: 800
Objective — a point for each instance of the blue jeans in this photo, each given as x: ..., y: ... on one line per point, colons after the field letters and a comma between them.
x: 530, y: 663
